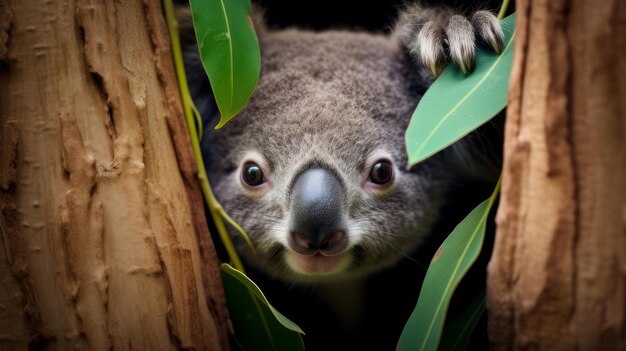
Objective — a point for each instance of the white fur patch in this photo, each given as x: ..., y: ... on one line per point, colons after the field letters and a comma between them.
x: 318, y: 265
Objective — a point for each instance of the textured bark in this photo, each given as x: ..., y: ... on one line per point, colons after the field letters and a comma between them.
x: 100, y: 210
x: 557, y: 276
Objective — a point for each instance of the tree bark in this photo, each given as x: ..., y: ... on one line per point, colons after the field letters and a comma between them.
x: 556, y: 280
x: 103, y: 243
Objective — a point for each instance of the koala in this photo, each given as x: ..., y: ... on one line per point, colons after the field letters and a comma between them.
x: 314, y: 168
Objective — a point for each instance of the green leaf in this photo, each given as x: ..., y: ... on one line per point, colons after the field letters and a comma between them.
x: 258, y: 325
x: 457, y: 104
x: 458, y: 331
x: 229, y: 49
x: 451, y: 262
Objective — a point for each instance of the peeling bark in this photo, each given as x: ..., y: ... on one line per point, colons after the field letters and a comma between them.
x: 6, y: 19
x: 557, y: 277
x: 188, y: 168
x: 101, y: 213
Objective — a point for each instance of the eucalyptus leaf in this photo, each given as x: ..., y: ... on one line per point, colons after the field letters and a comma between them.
x: 229, y: 50
x: 258, y: 325
x: 458, y: 331
x: 451, y: 262
x: 457, y: 104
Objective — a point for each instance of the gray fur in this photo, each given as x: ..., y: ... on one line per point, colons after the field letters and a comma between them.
x: 335, y: 100
x: 421, y: 29
x: 488, y: 29
x: 428, y: 46
x: 330, y: 99
x: 460, y: 36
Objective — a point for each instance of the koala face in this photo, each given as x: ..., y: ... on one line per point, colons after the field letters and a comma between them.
x: 314, y: 167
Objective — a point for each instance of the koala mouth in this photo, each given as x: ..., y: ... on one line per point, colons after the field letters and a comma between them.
x: 317, y: 263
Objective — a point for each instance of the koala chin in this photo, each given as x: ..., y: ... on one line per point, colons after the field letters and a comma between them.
x: 314, y: 167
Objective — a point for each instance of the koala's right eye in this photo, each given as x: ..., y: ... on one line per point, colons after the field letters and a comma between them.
x: 381, y: 172
x: 252, y: 175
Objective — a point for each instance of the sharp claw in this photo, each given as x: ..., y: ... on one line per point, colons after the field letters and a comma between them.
x: 464, y: 62
x: 428, y: 46
x: 463, y: 68
x: 461, y: 41
x: 488, y: 30
x: 433, y: 69
x: 495, y: 45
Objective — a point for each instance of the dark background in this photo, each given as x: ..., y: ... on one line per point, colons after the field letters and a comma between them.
x: 370, y: 15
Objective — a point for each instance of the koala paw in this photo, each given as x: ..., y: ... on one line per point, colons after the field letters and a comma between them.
x: 434, y: 46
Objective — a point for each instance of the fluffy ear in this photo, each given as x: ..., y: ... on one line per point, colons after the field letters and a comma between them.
x: 434, y: 35
x: 199, y: 85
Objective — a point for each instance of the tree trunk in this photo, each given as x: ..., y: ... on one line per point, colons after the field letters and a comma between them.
x: 557, y: 277
x: 104, y: 243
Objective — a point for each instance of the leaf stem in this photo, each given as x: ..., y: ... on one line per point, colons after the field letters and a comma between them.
x: 192, y: 117
x: 495, y: 193
x: 503, y: 8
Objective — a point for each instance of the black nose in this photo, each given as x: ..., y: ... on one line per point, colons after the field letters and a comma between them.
x: 317, y: 221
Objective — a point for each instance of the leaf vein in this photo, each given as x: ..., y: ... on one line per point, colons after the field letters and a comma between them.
x: 231, y: 54
x: 455, y: 108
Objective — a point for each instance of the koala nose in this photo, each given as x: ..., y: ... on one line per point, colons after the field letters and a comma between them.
x: 317, y: 221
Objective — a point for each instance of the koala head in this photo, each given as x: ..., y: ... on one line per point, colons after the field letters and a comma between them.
x: 314, y: 167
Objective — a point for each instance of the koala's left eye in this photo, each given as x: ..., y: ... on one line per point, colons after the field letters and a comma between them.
x: 252, y: 174
x: 381, y: 172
